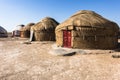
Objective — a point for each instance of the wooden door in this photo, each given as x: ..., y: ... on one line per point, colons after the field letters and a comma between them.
x: 67, y: 38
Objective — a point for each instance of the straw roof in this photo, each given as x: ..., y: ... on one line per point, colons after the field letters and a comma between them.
x: 27, y: 27
x: 46, y: 23
x: 86, y: 18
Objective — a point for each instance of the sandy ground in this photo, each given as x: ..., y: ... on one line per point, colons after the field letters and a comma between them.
x: 20, y: 61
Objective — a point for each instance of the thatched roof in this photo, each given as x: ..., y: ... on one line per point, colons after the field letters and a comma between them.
x: 46, y: 23
x: 86, y: 18
x: 28, y: 27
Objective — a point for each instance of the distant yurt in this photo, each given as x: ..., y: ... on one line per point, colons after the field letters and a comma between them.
x: 87, y: 30
x: 3, y: 32
x: 16, y: 30
x: 44, y: 30
x: 25, y: 31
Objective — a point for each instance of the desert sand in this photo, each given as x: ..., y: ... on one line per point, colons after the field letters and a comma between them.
x: 19, y: 61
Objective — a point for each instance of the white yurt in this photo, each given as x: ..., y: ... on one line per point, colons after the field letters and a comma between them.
x: 16, y: 30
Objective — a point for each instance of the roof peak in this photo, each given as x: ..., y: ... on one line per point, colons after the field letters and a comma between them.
x: 85, y: 12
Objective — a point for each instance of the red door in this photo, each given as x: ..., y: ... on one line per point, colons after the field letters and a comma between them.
x: 67, y: 38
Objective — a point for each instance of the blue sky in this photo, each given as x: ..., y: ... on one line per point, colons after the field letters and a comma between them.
x: 15, y: 12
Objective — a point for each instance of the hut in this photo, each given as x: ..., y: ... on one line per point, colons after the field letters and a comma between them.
x: 119, y: 34
x: 3, y: 32
x: 16, y: 31
x: 87, y: 30
x: 25, y: 32
x: 44, y: 30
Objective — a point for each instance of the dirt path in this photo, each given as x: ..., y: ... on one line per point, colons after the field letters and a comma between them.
x: 20, y: 61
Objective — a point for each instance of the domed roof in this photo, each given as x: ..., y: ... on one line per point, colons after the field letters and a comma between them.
x: 18, y: 27
x: 86, y: 18
x: 27, y: 27
x: 46, y: 23
x: 3, y: 32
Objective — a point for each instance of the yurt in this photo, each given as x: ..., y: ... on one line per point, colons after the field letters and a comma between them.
x: 25, y: 31
x: 3, y: 32
x: 44, y: 30
x: 119, y: 34
x: 16, y: 30
x: 87, y: 30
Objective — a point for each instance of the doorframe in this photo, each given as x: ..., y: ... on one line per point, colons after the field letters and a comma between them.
x: 71, y: 38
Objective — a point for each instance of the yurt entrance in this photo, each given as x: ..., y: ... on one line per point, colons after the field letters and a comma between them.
x: 67, y: 38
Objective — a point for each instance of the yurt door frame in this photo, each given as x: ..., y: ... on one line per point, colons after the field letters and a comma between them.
x: 67, y: 38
